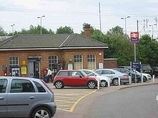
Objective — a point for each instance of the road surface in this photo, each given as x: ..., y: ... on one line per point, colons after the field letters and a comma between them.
x: 136, y: 102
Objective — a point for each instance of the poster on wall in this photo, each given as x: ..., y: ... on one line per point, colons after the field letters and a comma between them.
x: 101, y: 66
x: 15, y: 72
x: 23, y: 70
x: 70, y: 67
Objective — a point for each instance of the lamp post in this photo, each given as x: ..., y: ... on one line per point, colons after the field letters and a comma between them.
x: 40, y: 17
x: 13, y: 28
x: 125, y: 23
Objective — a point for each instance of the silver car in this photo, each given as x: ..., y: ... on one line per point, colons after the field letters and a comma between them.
x: 114, y: 75
x: 25, y: 97
x: 104, y: 81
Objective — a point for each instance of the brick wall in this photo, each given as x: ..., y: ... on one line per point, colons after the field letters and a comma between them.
x: 110, y: 63
x: 63, y: 56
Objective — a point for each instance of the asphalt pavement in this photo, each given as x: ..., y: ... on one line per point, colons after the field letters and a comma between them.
x: 77, y: 108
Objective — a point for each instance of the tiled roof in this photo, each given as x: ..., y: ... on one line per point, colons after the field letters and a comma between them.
x: 57, y: 41
x: 4, y: 37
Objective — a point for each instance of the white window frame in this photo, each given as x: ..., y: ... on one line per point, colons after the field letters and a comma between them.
x: 91, y: 61
x: 78, y: 62
x: 14, y: 61
x: 52, y: 61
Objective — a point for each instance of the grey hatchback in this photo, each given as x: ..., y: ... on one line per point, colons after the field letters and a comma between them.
x: 25, y: 97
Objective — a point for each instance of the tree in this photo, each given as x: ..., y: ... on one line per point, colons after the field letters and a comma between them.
x: 116, y: 31
x: 2, y: 32
x: 119, y: 46
x: 35, y: 30
x: 147, y: 50
x: 64, y: 30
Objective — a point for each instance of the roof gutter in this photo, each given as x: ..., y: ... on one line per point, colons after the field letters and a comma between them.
x: 25, y: 49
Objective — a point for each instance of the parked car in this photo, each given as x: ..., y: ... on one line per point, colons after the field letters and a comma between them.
x: 25, y: 97
x: 74, y: 78
x: 146, y: 76
x: 103, y: 80
x: 146, y: 68
x: 114, y: 75
x: 134, y: 74
x: 155, y: 71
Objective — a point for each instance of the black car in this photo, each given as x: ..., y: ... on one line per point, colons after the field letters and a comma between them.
x: 146, y: 68
x: 155, y: 71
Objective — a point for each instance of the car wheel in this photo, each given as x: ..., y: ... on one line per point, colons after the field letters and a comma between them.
x: 59, y: 84
x: 41, y: 113
x: 103, y: 83
x: 91, y: 84
x: 144, y: 79
x: 115, y: 82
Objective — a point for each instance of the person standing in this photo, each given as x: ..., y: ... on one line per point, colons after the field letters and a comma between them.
x: 49, y: 75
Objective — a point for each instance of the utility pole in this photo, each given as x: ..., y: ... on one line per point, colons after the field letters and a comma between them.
x: 100, y: 17
x: 135, y: 55
x: 152, y: 30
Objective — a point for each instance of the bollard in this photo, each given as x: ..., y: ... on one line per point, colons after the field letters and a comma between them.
x: 153, y: 78
x: 98, y: 83
x: 130, y: 81
x: 119, y: 81
x: 109, y: 82
x: 142, y: 78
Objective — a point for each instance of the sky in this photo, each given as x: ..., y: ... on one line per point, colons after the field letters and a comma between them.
x: 75, y: 13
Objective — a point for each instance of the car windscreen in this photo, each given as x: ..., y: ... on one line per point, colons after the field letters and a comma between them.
x: 146, y: 67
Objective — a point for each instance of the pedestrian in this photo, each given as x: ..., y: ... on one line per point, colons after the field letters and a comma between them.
x: 49, y: 75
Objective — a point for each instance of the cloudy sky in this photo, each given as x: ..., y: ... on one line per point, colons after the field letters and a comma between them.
x: 74, y: 13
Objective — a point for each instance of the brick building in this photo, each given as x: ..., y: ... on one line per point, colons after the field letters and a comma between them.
x: 26, y: 53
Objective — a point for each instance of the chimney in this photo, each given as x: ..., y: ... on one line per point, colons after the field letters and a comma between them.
x: 87, y: 30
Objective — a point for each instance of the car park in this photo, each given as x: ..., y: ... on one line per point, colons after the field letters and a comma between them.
x: 25, y: 97
x: 74, y: 78
x: 103, y: 80
x: 114, y: 76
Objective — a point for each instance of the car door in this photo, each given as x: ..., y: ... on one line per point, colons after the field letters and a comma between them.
x: 64, y: 77
x: 78, y: 79
x: 3, y: 98
x: 21, y: 98
x: 108, y: 73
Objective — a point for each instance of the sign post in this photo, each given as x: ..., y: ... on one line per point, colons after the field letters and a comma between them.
x: 134, y: 36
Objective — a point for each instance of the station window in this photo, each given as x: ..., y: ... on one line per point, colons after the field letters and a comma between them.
x: 52, y: 60
x: 91, y: 59
x: 78, y: 62
x: 14, y: 61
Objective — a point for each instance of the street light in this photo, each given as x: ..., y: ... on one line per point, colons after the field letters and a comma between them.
x: 125, y: 23
x: 41, y: 23
x: 152, y: 28
x: 13, y: 28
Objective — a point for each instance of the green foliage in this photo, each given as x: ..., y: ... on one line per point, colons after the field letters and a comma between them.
x: 147, y: 50
x: 34, y: 30
x: 64, y: 30
x: 2, y: 32
x: 119, y: 46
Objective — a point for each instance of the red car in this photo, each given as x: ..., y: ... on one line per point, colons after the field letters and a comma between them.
x: 74, y: 78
